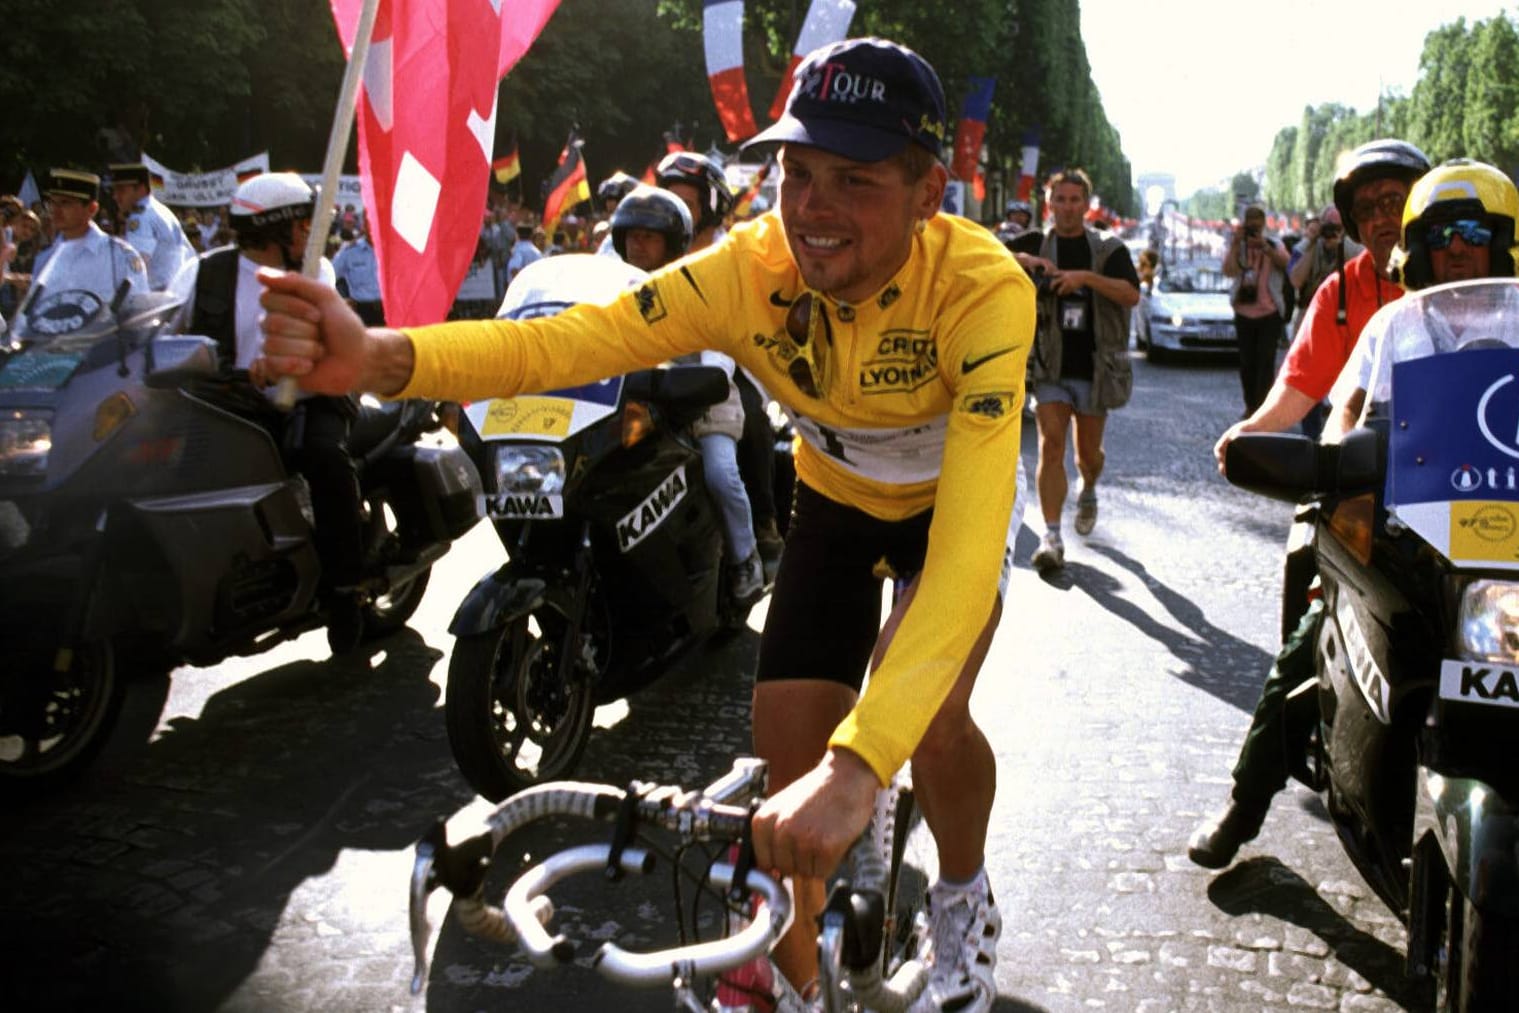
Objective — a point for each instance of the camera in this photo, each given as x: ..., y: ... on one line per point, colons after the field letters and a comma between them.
x: 1252, y: 231
x: 1042, y: 282
x: 1248, y: 288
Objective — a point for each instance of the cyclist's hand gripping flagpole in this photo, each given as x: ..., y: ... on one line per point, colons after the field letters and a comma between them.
x: 337, y: 146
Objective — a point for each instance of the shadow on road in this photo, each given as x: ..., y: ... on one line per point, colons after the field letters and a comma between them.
x: 1216, y: 661
x: 1265, y: 886
x: 163, y: 886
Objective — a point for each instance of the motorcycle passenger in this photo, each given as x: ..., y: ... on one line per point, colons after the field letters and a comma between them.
x: 271, y: 220
x: 650, y: 228
x: 1458, y: 223
x: 82, y: 256
x: 698, y: 181
x: 1369, y: 190
x: 898, y: 338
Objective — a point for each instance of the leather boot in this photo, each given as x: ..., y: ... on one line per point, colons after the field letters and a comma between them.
x: 1216, y: 841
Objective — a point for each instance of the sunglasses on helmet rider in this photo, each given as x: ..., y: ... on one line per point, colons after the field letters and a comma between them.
x: 1472, y: 233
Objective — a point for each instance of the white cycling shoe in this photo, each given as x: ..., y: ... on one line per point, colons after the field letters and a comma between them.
x: 960, y: 928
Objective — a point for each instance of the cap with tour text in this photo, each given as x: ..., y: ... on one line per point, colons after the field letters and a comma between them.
x: 863, y: 99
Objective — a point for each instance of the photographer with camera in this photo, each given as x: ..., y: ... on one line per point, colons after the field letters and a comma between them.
x: 1080, y: 367
x: 1258, y: 263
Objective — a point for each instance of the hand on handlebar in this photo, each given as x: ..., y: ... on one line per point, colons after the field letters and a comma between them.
x: 807, y: 828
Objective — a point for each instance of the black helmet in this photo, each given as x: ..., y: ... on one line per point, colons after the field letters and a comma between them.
x: 615, y: 187
x: 656, y: 210
x: 712, y: 193
x: 1386, y: 158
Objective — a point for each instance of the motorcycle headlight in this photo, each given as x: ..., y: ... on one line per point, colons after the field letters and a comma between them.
x: 26, y: 437
x: 1488, y: 629
x: 527, y: 468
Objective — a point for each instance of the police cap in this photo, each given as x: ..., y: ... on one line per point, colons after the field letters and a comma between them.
x: 74, y: 183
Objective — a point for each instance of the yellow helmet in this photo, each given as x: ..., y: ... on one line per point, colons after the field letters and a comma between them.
x: 1457, y: 189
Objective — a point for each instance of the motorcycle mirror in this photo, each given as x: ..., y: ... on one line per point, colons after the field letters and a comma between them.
x: 1284, y: 466
x: 1362, y: 460
x: 172, y: 360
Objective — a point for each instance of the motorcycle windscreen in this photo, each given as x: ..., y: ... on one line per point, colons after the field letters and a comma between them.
x: 549, y: 417
x: 1453, y: 454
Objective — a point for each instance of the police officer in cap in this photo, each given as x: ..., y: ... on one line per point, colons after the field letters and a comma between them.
x: 82, y: 255
x: 148, y: 226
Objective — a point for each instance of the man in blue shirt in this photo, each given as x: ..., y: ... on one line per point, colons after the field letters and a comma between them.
x: 358, y: 274
x: 523, y: 253
x: 150, y: 228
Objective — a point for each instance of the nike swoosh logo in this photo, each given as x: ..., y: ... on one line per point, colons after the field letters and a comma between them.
x: 970, y: 364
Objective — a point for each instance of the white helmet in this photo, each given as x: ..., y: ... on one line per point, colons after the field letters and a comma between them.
x: 270, y: 198
x: 550, y: 285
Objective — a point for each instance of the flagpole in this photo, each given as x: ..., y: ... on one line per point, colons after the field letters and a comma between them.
x: 337, y: 147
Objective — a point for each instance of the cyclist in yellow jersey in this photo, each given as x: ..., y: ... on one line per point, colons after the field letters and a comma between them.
x: 897, y: 338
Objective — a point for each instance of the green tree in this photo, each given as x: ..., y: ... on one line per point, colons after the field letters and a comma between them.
x: 1436, y: 115
x: 1489, y: 128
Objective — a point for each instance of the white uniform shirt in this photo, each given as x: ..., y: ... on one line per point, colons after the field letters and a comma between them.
x: 248, y: 314
x: 95, y: 262
x: 155, y: 233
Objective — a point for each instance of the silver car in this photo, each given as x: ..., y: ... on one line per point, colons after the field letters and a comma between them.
x: 1187, y: 310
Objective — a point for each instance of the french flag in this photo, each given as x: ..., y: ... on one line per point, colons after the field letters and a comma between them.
x: 972, y: 130
x: 723, y: 40
x: 827, y: 21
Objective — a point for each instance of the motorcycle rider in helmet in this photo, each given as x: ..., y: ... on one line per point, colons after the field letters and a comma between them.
x: 698, y: 181
x: 1371, y: 191
x: 270, y: 216
x: 613, y: 189
x: 1458, y: 224
x: 650, y: 228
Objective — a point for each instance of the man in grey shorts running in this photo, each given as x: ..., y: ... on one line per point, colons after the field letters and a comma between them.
x: 1080, y: 364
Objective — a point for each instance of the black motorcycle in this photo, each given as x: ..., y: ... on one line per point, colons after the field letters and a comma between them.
x: 1413, y: 717
x: 147, y: 520
x: 615, y: 551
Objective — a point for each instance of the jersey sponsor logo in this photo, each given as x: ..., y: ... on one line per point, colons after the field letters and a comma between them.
x: 524, y: 507
x: 1474, y: 682
x: 905, y: 360
x: 650, y: 306
x: 970, y: 364
x: 897, y: 455
x: 648, y: 515
x: 991, y: 404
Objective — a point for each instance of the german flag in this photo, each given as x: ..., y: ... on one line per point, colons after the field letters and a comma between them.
x: 567, y: 186
x: 507, y: 167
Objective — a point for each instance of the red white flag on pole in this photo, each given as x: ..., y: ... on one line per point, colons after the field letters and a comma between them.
x: 827, y: 21
x: 427, y: 129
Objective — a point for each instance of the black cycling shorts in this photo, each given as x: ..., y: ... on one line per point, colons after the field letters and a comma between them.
x: 825, y: 609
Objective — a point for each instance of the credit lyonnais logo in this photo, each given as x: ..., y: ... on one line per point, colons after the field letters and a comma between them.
x: 648, y: 515
x: 904, y: 360
x: 1475, y: 682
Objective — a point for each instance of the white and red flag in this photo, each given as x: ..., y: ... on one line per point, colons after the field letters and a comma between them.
x: 827, y: 21
x: 427, y: 130
x: 722, y: 34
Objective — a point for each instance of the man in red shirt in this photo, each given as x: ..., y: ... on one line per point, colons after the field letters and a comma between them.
x: 1369, y: 191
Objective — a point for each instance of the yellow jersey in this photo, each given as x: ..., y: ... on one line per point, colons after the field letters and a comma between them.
x: 908, y: 400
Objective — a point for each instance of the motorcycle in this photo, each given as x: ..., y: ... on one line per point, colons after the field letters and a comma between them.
x: 147, y: 521
x: 1412, y: 716
x: 615, y: 549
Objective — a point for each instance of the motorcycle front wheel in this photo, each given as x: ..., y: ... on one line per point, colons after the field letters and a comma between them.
x: 513, y: 720
x: 53, y: 723
x: 1480, y: 965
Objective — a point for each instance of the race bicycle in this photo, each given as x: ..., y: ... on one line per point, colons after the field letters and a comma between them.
x: 868, y: 933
